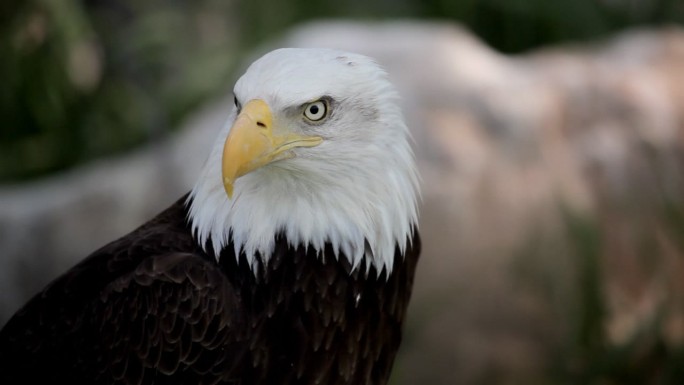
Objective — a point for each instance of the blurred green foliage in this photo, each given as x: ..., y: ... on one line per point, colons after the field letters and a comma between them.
x: 82, y: 79
x: 586, y: 353
x: 87, y: 78
x: 647, y: 356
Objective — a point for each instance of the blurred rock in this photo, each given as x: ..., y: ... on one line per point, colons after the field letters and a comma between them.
x: 553, y: 202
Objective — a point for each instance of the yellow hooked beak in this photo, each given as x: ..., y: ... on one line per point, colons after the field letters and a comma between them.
x: 253, y: 142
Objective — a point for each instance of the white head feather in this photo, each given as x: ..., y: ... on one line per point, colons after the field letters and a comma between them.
x: 359, y: 185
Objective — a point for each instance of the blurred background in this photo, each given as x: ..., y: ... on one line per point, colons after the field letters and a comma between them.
x: 549, y: 135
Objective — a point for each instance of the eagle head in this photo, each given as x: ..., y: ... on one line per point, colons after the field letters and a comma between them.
x: 314, y: 149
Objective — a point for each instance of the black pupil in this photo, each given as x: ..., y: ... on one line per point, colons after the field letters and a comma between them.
x: 313, y: 109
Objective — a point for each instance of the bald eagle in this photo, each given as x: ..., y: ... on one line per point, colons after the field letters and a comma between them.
x: 291, y: 261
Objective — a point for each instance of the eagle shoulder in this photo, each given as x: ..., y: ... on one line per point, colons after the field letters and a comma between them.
x: 148, y: 304
x: 175, y: 315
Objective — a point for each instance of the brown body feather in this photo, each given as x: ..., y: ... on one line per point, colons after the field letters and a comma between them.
x: 154, y: 308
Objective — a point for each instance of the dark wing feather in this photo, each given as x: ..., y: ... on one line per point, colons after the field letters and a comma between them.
x: 148, y: 308
x: 175, y: 318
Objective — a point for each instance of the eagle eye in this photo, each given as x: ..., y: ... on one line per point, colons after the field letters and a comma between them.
x: 316, y: 111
